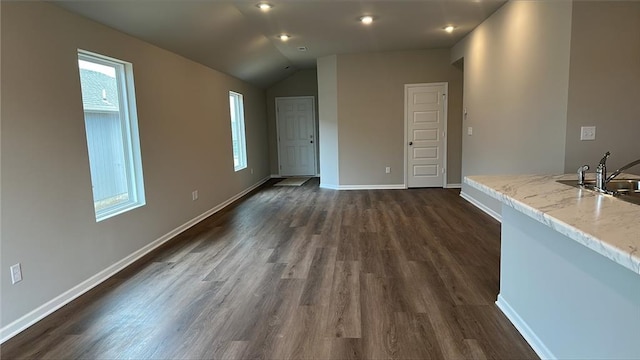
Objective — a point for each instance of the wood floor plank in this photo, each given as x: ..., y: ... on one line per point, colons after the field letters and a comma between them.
x: 240, y: 257
x: 441, y: 310
x: 318, y: 285
x: 348, y: 244
x: 346, y: 349
x: 301, y: 272
x: 344, y: 308
x: 379, y: 334
x: 277, y: 313
x: 301, y: 258
x: 306, y: 339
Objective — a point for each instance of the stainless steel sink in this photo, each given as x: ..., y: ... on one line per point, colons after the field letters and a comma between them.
x: 623, y: 189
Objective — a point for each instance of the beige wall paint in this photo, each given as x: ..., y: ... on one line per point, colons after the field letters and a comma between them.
x: 300, y: 83
x: 328, y: 121
x: 516, y: 81
x: 48, y: 222
x: 371, y: 112
x: 604, y: 84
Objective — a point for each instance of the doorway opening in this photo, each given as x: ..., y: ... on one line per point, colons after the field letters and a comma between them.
x: 425, y: 134
x: 296, y: 129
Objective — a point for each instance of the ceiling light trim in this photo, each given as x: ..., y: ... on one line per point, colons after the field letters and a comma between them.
x: 449, y: 28
x: 366, y: 19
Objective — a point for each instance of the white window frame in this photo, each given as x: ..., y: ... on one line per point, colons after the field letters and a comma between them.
x: 130, y: 134
x: 237, y: 109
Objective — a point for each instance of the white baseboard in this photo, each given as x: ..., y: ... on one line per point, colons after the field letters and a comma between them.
x: 481, y: 206
x: 277, y: 176
x: 329, y: 186
x: 534, y: 341
x: 376, y: 187
x: 372, y: 187
x: 56, y: 303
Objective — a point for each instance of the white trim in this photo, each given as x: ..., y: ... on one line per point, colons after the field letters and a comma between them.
x: 453, y: 186
x: 129, y: 133
x: 237, y: 110
x: 481, y: 206
x: 530, y: 337
x: 315, y: 131
x: 274, y: 176
x: 63, y: 299
x: 404, y: 143
x: 446, y: 129
x: 330, y: 186
x: 372, y: 187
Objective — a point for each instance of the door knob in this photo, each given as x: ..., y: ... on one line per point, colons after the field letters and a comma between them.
x: 311, y: 141
x: 410, y: 142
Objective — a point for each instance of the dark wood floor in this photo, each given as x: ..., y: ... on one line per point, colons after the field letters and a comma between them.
x: 301, y: 272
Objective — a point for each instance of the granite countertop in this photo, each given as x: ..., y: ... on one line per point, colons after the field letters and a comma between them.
x: 600, y: 222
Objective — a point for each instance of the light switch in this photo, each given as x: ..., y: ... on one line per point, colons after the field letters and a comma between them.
x: 469, y: 130
x: 588, y: 133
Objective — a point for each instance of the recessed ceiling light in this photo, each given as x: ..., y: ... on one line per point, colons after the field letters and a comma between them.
x: 284, y: 37
x: 449, y: 28
x: 264, y: 6
x: 366, y: 19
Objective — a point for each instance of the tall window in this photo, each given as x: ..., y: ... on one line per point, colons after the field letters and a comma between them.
x: 111, y: 126
x: 236, y: 105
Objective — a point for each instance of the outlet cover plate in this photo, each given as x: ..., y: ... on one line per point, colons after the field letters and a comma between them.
x: 588, y: 133
x: 16, y: 273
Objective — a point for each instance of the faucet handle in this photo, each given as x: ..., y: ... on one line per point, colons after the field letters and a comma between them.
x: 603, y: 161
x: 601, y: 174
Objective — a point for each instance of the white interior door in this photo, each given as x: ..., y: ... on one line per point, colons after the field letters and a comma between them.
x: 295, y: 118
x: 426, y: 119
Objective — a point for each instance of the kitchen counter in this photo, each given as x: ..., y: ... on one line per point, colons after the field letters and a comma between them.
x: 569, y: 266
x: 607, y: 225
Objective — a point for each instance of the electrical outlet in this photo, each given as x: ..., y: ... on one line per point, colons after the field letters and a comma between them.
x: 588, y: 133
x: 469, y: 130
x: 16, y: 273
x: 387, y: 169
x: 194, y: 195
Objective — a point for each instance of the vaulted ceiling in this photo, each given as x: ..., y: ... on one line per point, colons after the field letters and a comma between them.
x: 238, y: 38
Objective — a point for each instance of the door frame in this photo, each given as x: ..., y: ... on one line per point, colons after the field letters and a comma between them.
x: 406, y: 126
x: 315, y: 131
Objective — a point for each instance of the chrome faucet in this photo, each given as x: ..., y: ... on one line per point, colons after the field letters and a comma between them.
x: 623, y: 168
x: 581, y: 171
x: 601, y: 173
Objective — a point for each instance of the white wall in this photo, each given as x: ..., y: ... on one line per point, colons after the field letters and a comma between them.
x: 48, y: 222
x: 328, y: 121
x: 516, y: 79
